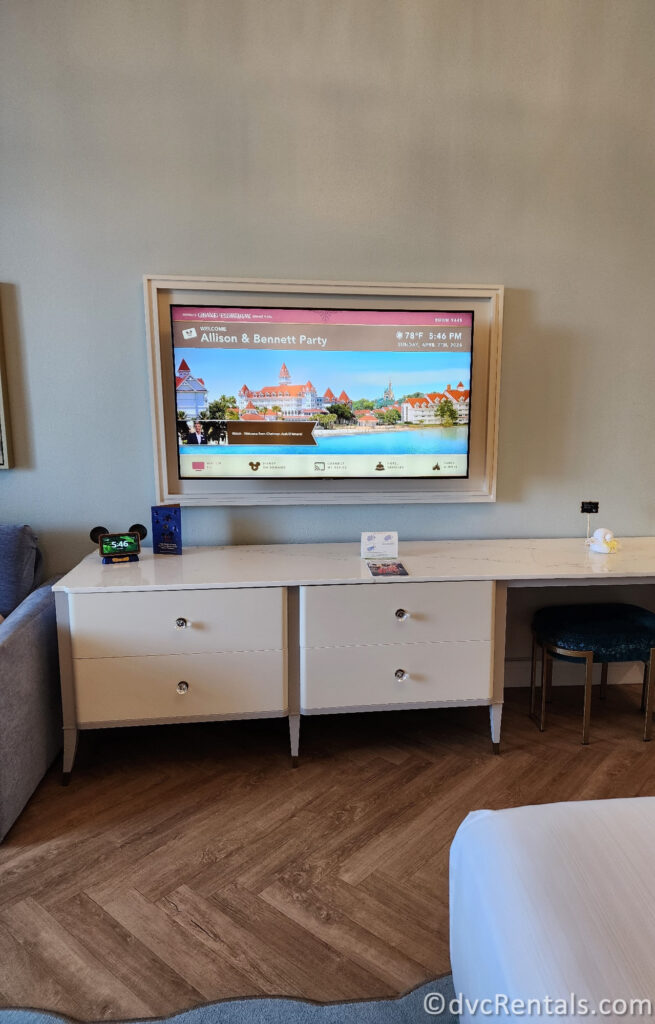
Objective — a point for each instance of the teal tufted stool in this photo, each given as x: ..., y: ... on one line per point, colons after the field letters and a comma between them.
x: 592, y: 633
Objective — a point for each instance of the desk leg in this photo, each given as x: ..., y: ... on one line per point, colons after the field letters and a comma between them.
x: 650, y: 681
x: 533, y: 679
x: 67, y: 685
x: 495, y: 717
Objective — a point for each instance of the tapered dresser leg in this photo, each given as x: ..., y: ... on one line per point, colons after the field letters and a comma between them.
x: 294, y: 737
x: 70, y: 749
x: 495, y: 717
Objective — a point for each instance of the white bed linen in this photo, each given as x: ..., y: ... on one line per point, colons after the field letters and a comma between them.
x: 553, y: 900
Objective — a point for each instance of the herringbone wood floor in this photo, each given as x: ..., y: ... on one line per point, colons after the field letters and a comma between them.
x: 189, y: 864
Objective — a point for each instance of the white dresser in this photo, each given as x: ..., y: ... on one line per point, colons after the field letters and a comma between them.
x: 303, y: 629
x: 277, y: 631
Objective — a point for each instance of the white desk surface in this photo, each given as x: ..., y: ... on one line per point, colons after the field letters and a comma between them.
x: 276, y: 565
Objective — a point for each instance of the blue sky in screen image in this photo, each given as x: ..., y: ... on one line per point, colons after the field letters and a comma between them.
x: 360, y: 374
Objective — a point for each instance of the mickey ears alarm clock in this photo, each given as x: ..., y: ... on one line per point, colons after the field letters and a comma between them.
x: 118, y: 547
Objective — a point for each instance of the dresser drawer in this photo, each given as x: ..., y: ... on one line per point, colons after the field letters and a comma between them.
x: 372, y: 614
x: 146, y: 622
x: 129, y: 689
x: 352, y: 677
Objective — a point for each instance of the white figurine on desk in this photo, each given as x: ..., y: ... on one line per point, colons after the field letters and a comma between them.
x: 602, y: 541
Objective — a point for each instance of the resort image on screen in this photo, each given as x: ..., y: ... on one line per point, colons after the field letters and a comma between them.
x: 311, y: 393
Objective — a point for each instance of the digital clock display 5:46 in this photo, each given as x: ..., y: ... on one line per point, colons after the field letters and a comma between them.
x: 120, y: 544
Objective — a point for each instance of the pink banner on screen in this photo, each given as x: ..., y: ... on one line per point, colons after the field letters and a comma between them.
x: 392, y: 318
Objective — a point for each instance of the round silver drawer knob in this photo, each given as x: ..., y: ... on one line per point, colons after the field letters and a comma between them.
x: 181, y: 623
x: 401, y: 675
x: 402, y: 614
x: 182, y: 687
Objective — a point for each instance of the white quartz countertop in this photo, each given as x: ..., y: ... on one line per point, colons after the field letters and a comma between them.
x: 279, y: 565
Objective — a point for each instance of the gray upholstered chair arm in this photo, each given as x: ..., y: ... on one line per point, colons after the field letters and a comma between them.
x: 30, y: 715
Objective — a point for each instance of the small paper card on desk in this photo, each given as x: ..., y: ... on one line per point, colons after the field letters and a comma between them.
x: 380, y: 545
x: 387, y: 567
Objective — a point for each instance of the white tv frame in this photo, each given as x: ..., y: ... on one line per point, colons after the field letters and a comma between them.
x: 486, y: 302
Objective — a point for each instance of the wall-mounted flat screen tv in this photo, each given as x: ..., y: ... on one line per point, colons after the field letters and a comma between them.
x: 277, y: 392
x: 311, y: 393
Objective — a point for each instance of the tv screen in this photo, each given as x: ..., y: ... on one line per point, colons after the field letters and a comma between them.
x: 321, y: 393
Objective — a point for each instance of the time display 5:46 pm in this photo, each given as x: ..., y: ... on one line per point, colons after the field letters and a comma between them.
x: 120, y: 544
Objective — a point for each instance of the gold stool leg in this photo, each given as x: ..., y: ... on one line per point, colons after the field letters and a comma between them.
x: 586, y: 718
x: 549, y: 683
x: 603, y: 681
x: 650, y: 686
x: 644, y: 687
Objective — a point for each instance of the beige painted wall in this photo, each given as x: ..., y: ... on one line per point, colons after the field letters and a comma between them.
x: 486, y: 141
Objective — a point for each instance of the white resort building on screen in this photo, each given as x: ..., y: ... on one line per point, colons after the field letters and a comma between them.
x: 425, y: 408
x: 292, y: 399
